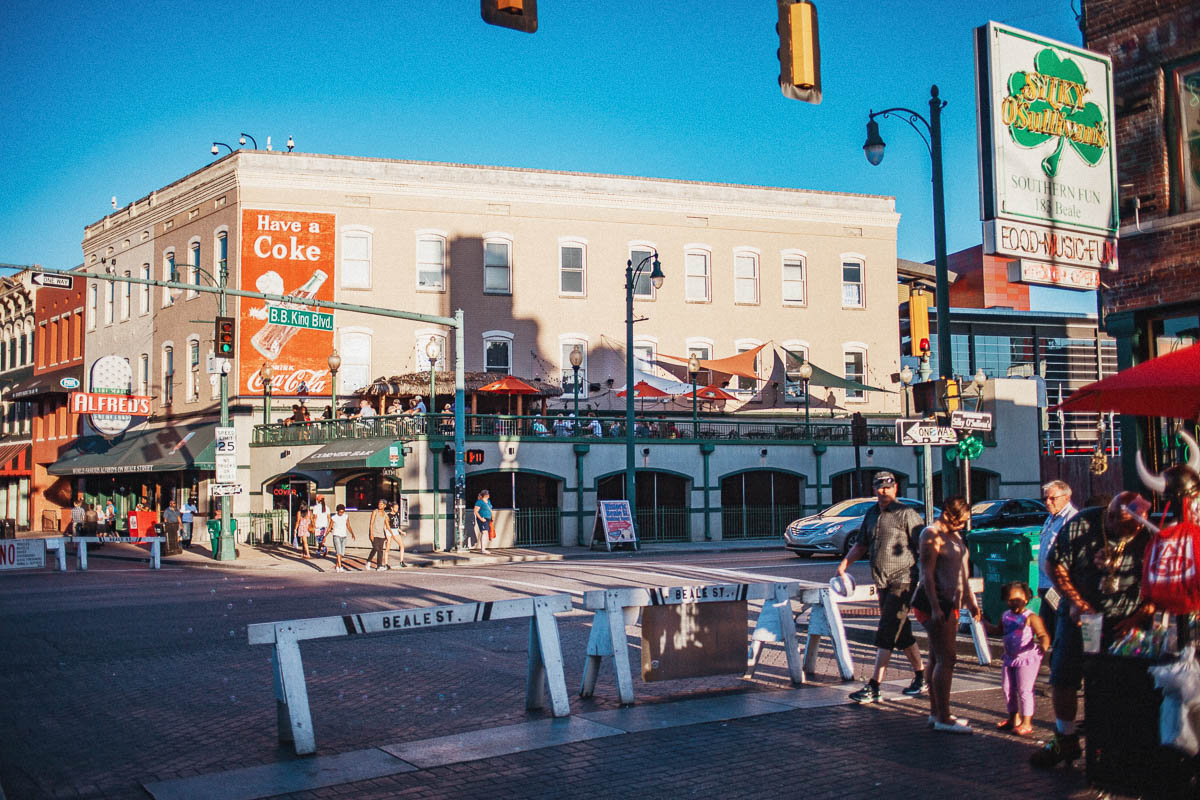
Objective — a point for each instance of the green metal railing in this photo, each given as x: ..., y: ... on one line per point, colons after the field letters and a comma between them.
x: 757, y: 522
x: 500, y: 426
x: 538, y: 527
x: 663, y: 524
x: 266, y: 527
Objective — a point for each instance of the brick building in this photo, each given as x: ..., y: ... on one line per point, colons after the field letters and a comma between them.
x: 16, y: 366
x: 1151, y: 305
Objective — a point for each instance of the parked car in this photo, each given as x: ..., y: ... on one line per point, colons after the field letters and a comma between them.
x: 1008, y: 513
x: 834, y: 530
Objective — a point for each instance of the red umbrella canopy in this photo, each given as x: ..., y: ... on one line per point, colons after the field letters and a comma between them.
x: 643, y: 389
x: 714, y: 392
x: 1167, y: 386
x: 509, y: 385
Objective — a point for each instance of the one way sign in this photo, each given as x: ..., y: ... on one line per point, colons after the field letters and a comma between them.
x: 51, y: 280
x: 920, y: 431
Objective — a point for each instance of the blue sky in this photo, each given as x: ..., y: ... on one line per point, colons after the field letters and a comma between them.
x: 119, y: 99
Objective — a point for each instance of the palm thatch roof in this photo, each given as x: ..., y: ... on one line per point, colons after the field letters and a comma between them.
x: 418, y: 383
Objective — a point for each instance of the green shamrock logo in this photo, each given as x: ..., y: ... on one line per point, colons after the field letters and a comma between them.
x: 1048, y: 104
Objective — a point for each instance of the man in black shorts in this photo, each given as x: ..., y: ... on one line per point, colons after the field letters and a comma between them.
x: 890, y: 532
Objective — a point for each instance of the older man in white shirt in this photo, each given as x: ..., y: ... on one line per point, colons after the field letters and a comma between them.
x: 1057, y: 495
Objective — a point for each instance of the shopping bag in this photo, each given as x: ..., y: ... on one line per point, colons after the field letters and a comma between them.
x: 1171, y: 568
x: 1179, y: 715
x: 491, y: 529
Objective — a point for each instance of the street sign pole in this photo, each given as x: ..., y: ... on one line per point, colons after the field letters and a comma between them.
x: 927, y: 479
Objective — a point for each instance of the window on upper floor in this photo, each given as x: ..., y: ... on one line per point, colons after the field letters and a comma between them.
x: 4, y: 353
x: 497, y: 266
x: 696, y: 264
x: 569, y: 386
x: 795, y: 387
x: 856, y: 370
x: 643, y: 257
x: 144, y: 290
x: 170, y: 273
x: 852, y: 284
x: 795, y: 288
x: 431, y: 263
x: 193, y: 270
x: 571, y: 269
x: 356, y: 258
x: 93, y: 302
x: 355, y: 351
x: 703, y: 352
x: 126, y: 290
x: 1183, y: 110
x: 745, y: 384
x: 643, y: 356
x: 143, y: 377
x: 168, y: 395
x: 193, y: 376
x: 745, y: 278
x: 497, y: 353
x: 422, y: 351
x: 110, y: 293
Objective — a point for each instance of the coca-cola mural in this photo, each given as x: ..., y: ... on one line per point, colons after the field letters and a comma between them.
x: 287, y: 253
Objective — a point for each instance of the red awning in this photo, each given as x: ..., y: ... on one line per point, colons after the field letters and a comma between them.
x: 1167, y: 386
x: 15, y: 459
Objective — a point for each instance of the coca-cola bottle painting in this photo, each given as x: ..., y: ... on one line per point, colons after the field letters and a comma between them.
x: 273, y: 336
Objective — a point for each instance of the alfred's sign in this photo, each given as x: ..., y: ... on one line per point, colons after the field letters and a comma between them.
x: 110, y: 404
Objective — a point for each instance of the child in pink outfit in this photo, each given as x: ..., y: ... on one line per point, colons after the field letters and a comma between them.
x: 1025, y: 641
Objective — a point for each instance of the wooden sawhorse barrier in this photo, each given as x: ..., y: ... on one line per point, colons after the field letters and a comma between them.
x: 59, y: 544
x: 294, y: 717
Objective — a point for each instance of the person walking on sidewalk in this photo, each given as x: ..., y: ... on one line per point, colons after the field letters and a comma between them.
x: 483, y: 519
x: 889, y: 534
x: 339, y: 527
x: 321, y: 522
x: 171, y: 519
x: 377, y: 532
x: 1096, y: 565
x: 304, y: 525
x: 943, y: 590
x: 394, y: 532
x: 77, y: 515
x: 187, y: 516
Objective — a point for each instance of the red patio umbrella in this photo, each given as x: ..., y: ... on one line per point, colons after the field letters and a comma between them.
x: 713, y: 392
x: 643, y: 389
x: 1167, y: 386
x: 510, y: 386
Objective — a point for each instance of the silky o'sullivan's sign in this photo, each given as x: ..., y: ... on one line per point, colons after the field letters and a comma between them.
x: 1048, y: 169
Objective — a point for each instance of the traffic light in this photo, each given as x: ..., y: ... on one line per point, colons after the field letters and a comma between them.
x: 799, y: 51
x: 858, y: 430
x: 520, y: 15
x: 918, y: 321
x: 936, y: 397
x: 225, y: 337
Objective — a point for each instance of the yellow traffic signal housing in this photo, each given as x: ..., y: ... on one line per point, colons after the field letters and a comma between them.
x: 918, y: 321
x: 799, y: 51
x: 520, y: 15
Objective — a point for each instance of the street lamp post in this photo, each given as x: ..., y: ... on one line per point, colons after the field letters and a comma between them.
x: 631, y: 276
x: 693, y: 370
x: 266, y: 372
x: 576, y: 358
x: 873, y: 149
x: 335, y: 363
x: 906, y: 378
x: 805, y: 373
x: 433, y: 349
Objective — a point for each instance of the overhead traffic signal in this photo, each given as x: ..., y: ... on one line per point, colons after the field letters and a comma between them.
x: 799, y: 51
x: 225, y: 337
x: 918, y: 321
x: 520, y: 15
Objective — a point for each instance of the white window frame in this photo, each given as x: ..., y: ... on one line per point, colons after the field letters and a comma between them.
x: 144, y: 293
x: 441, y: 237
x: 697, y: 250
x: 645, y: 343
x: 505, y: 239
x: 582, y: 245
x: 168, y: 258
x: 93, y: 303
x: 740, y: 346
x: 348, y: 279
x: 347, y: 378
x: 168, y: 378
x: 193, y: 370
x: 794, y: 346
x: 755, y: 257
x: 498, y: 336
x: 650, y: 249
x: 126, y: 296
x: 193, y: 267
x: 793, y: 256
x: 423, y: 336
x: 861, y: 261
x: 143, y: 378
x: 856, y: 396
x: 110, y: 302
x: 693, y: 344
x: 566, y: 343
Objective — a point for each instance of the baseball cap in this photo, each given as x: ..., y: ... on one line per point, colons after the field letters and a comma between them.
x: 884, y: 478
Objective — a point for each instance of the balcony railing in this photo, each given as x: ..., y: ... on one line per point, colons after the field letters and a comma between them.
x: 500, y: 426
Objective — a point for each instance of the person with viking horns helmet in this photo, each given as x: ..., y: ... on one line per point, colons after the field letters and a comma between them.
x: 1179, y: 484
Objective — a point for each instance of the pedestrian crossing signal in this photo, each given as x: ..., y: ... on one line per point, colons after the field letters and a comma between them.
x: 520, y: 15
x: 226, y: 335
x: 799, y: 51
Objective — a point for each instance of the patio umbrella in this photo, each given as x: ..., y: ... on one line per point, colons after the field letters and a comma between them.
x: 643, y: 390
x: 713, y: 392
x: 509, y: 385
x: 1167, y: 386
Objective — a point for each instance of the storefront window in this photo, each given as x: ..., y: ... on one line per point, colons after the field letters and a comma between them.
x: 364, y: 492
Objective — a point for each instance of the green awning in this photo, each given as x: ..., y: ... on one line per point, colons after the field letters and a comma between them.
x: 372, y: 453
x: 160, y: 449
x: 830, y: 381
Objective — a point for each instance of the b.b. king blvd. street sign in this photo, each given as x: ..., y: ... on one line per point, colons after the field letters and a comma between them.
x: 1048, y: 169
x: 299, y: 318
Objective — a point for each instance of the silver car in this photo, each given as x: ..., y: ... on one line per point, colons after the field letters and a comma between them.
x: 834, y: 530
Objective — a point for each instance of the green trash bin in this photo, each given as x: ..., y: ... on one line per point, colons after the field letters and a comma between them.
x: 1003, y: 555
x: 214, y: 532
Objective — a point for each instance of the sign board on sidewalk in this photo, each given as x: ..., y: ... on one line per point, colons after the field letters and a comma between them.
x: 22, y: 554
x: 614, y: 521
x: 921, y: 431
x: 221, y: 489
x: 971, y: 421
x: 51, y: 280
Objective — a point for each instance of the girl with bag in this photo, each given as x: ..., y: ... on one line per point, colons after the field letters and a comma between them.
x: 483, y: 519
x: 304, y: 521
